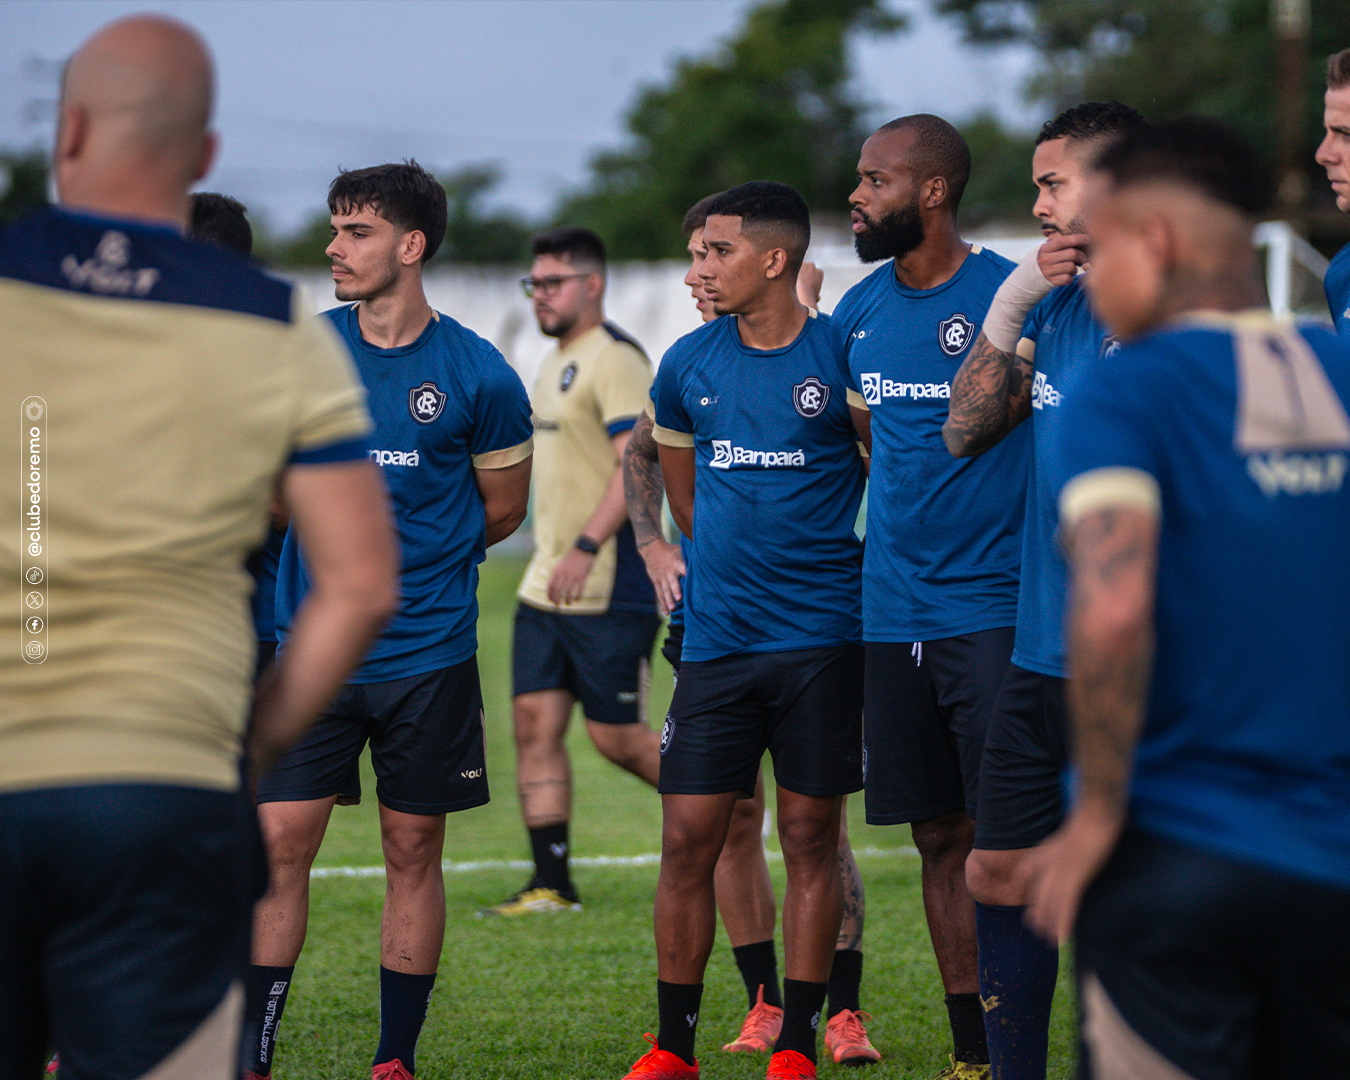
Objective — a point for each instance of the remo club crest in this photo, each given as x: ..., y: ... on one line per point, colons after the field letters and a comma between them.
x: 426, y: 402
x: 810, y: 396
x: 955, y: 334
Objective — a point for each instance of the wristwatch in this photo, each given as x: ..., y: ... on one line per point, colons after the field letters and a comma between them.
x: 586, y: 544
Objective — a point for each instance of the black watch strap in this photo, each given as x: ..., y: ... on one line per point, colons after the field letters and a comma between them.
x: 586, y: 544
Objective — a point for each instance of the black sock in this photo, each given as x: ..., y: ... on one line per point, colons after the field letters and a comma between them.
x: 845, y: 981
x: 967, y: 1018
x: 1017, y: 982
x: 266, y: 998
x: 403, y: 1007
x: 758, y: 965
x: 802, y: 1003
x: 678, y: 1005
x: 550, y: 847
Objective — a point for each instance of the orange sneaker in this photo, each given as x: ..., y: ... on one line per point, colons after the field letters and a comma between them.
x: 761, y: 1027
x: 790, y: 1065
x: 658, y: 1064
x: 390, y: 1070
x: 846, y: 1039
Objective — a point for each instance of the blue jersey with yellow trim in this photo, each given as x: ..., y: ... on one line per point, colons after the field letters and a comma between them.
x: 1337, y: 287
x: 1066, y: 334
x: 438, y: 404
x: 944, y: 534
x: 1241, y: 424
x: 778, y: 483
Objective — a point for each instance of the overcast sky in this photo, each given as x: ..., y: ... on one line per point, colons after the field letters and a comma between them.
x: 536, y: 86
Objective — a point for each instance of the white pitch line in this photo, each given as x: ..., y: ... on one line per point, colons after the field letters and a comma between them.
x: 601, y: 861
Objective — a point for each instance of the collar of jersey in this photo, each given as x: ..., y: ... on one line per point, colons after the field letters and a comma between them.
x: 905, y: 290
x: 354, y: 325
x: 105, y: 221
x: 734, y: 332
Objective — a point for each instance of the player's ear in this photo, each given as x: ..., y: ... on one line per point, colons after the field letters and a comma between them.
x: 775, y: 263
x: 595, y: 285
x: 1160, y: 240
x: 412, y: 247
x: 934, y: 192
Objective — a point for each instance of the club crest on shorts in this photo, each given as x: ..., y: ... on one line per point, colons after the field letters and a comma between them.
x: 569, y: 375
x: 426, y: 402
x: 810, y: 396
x: 667, y: 733
x: 955, y: 334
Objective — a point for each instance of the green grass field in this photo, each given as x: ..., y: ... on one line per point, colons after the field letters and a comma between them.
x: 569, y: 996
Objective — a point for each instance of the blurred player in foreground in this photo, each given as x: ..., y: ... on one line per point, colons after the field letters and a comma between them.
x: 162, y: 387
x: 1206, y: 517
x: 452, y: 427
x: 745, y: 897
x: 1334, y: 156
x: 1038, y: 332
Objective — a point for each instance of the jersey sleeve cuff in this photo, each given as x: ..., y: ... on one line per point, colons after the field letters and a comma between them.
x: 1113, y: 486
x: 856, y: 401
x: 620, y: 425
x: 1026, y: 348
x: 683, y: 440
x: 649, y: 410
x: 347, y: 450
x: 504, y: 459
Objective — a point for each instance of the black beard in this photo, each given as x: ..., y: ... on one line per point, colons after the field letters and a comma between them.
x: 891, y: 237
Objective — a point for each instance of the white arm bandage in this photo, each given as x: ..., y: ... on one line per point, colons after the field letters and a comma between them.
x: 1021, y: 291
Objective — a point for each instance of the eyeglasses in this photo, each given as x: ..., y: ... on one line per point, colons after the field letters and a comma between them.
x: 548, y: 286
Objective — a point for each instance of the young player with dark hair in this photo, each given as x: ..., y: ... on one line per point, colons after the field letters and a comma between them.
x: 452, y: 427
x: 1039, y: 329
x: 757, y: 446
x: 1334, y: 155
x: 1205, y: 513
x: 221, y: 220
x: 940, y: 571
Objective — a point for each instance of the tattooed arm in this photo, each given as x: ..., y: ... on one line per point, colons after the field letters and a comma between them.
x: 1113, y: 554
x: 991, y: 395
x: 643, y: 491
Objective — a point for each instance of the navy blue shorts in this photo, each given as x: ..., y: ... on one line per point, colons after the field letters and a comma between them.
x: 803, y: 706
x: 601, y: 660
x: 426, y: 743
x: 1025, y: 754
x: 673, y: 646
x: 926, y: 709
x: 125, y: 914
x: 1229, y: 970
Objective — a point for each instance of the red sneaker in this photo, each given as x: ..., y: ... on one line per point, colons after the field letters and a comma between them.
x: 390, y: 1070
x: 846, y: 1039
x: 249, y: 1074
x: 761, y: 1027
x: 790, y: 1065
x: 658, y: 1064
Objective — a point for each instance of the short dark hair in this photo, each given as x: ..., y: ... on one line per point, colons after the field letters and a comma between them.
x: 939, y: 150
x: 221, y: 220
x: 403, y: 193
x: 574, y: 243
x: 1091, y: 120
x: 697, y: 215
x: 1196, y: 152
x: 769, y: 209
x: 1338, y: 70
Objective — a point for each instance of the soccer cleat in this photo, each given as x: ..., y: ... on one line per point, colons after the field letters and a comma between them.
x: 963, y: 1070
x: 249, y: 1074
x: 790, y: 1065
x: 658, y: 1064
x: 846, y: 1039
x: 534, y: 898
x: 390, y: 1070
x: 54, y: 1065
x: 761, y: 1027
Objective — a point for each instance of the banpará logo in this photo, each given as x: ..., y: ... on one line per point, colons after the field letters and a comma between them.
x: 1297, y: 474
x: 810, y: 396
x: 107, y: 272
x: 426, y: 402
x: 955, y: 334
x: 875, y: 388
x: 569, y: 375
x: 725, y: 455
x: 396, y: 457
x: 1043, y: 394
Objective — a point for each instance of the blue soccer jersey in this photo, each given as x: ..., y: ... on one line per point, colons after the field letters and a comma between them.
x: 778, y: 482
x: 442, y: 405
x: 944, y: 534
x: 1065, y: 334
x: 1236, y: 427
x: 1337, y: 286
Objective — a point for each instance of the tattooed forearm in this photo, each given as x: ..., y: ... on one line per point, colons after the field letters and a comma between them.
x: 642, y: 483
x: 1113, y: 554
x: 851, y: 929
x: 991, y: 395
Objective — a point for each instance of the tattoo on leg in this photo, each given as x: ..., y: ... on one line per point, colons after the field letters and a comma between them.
x: 851, y: 929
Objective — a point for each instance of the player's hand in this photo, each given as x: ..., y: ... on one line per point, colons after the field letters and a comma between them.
x: 568, y: 582
x: 809, y: 280
x: 665, y: 566
x: 1057, y: 871
x: 1060, y: 257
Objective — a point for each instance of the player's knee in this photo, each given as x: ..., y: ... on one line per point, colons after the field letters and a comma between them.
x: 411, y: 849
x: 743, y: 834
x: 943, y: 839
x: 808, y: 842
x: 991, y: 877
x: 626, y: 745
